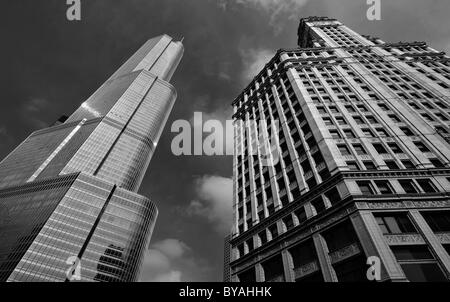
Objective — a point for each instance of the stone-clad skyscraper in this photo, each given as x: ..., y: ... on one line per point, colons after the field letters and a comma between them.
x: 70, y: 191
x: 365, y: 168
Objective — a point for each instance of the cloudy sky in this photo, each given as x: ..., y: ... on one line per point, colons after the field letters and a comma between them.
x: 50, y: 66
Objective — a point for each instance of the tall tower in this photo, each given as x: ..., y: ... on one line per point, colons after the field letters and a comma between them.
x: 365, y: 162
x: 68, y: 193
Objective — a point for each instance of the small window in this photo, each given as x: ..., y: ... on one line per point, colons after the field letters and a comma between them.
x: 395, y: 224
x: 439, y: 221
x: 365, y: 187
x: 394, y: 118
x: 372, y: 120
x: 335, y: 134
x: 427, y: 185
x: 380, y: 148
x: 358, y: 120
x: 384, y: 186
x: 395, y: 148
x: 359, y: 149
x: 349, y: 133
x: 369, y: 165
x: 344, y: 150
x: 391, y: 165
x: 407, y: 131
x: 421, y: 146
x: 408, y: 186
x: 408, y: 164
x: 367, y: 132
x: 381, y: 132
x: 327, y: 121
x: 436, y: 163
x: 352, y: 165
x: 341, y: 121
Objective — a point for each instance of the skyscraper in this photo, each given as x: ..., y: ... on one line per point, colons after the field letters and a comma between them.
x: 364, y: 175
x: 68, y: 193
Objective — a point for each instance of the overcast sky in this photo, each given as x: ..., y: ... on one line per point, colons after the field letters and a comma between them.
x: 50, y: 66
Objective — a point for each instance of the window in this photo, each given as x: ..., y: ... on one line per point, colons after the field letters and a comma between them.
x: 341, y: 121
x: 407, y: 131
x: 384, y: 186
x: 318, y: 205
x: 418, y: 263
x: 427, y: 117
x: 273, y: 231
x: 362, y: 108
x: 382, y: 132
x: 395, y: 223
x: 359, y: 149
x: 301, y: 214
x: 421, y: 147
x: 333, y: 109
x: 436, y: 163
x: 321, y: 110
x: 333, y: 196
x: 369, y: 165
x: 365, y: 187
x: 344, y: 150
x: 349, y: 133
x: 350, y: 108
x: 263, y: 236
x: 395, y: 148
x: 439, y: 221
x: 335, y: 134
x: 288, y: 222
x: 367, y: 132
x: 394, y: 118
x: 371, y: 119
x: 358, y: 120
x: 408, y: 186
x: 391, y: 165
x: 352, y: 165
x: 380, y: 149
x: 327, y: 121
x: 408, y: 164
x: 427, y: 185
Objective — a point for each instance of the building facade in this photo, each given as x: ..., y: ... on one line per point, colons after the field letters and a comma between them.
x: 68, y: 193
x: 364, y: 169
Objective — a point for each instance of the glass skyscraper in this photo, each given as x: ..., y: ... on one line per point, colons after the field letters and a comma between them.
x: 364, y: 169
x: 70, y: 191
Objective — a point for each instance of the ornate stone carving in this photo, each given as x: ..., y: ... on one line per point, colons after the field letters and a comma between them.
x: 386, y: 205
x: 444, y: 238
x: 344, y: 253
x: 306, y: 269
x: 404, y: 239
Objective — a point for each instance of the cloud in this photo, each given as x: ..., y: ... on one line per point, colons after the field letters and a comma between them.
x: 159, y: 261
x: 214, y: 202
x: 254, y: 61
x: 172, y: 260
x: 278, y: 10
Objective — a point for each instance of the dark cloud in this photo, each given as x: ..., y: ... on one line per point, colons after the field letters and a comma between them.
x: 50, y: 66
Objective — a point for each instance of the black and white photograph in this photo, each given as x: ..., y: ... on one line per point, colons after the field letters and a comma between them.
x: 225, y: 148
